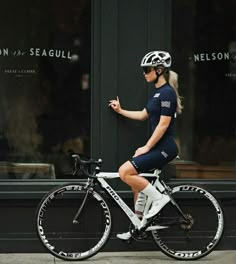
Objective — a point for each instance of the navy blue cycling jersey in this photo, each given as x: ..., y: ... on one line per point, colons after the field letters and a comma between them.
x: 162, y: 102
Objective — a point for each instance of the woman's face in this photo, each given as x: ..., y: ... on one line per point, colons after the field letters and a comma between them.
x: 149, y: 74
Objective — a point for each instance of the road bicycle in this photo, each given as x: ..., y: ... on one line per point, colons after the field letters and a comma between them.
x: 180, y: 230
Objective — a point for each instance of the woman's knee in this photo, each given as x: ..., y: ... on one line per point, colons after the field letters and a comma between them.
x: 126, y: 170
x: 123, y: 172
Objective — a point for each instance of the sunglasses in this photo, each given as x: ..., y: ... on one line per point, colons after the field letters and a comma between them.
x: 147, y: 69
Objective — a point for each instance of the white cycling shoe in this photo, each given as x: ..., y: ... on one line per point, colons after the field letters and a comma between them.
x: 124, y: 236
x: 157, y: 205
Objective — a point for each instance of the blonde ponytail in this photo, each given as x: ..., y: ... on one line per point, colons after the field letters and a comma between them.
x: 172, y: 78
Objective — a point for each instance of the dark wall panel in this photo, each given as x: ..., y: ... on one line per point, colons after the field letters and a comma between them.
x: 132, y: 90
x: 127, y: 31
x: 104, y: 81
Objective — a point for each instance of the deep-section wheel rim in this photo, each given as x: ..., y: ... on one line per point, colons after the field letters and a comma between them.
x: 198, y: 236
x: 55, y: 227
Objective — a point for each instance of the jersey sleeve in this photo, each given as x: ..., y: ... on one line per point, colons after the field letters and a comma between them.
x: 168, y: 103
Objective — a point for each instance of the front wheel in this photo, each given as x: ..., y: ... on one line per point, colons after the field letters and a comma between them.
x: 68, y: 238
x: 194, y: 234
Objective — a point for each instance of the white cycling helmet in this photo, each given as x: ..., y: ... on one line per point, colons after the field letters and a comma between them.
x: 156, y: 58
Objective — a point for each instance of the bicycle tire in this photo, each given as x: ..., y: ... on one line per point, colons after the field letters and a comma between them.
x: 63, y: 238
x: 196, y: 239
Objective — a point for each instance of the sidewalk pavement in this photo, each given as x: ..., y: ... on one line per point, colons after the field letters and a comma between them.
x: 145, y: 257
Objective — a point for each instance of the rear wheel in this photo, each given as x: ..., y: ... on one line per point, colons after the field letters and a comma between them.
x: 68, y: 239
x: 197, y: 233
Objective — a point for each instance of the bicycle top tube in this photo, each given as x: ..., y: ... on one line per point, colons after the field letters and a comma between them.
x: 113, y: 175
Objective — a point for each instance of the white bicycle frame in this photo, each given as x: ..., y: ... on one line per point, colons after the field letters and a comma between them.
x: 102, y: 176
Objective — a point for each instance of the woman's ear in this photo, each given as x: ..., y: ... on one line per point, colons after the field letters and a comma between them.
x: 159, y: 71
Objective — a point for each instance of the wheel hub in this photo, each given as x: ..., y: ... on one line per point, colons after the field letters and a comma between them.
x: 187, y: 223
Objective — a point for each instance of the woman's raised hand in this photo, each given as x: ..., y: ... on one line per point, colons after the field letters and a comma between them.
x: 115, y: 105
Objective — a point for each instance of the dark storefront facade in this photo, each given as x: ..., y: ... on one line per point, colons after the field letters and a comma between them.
x: 60, y: 64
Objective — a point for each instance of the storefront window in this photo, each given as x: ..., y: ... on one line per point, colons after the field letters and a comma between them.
x: 204, y: 48
x: 44, y: 86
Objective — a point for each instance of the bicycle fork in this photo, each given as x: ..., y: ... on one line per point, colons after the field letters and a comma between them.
x: 75, y: 219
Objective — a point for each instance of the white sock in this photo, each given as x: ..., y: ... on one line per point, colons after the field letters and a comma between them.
x: 152, y: 192
x: 140, y: 203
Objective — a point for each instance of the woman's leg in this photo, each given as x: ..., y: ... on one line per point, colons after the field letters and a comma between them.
x: 129, y: 175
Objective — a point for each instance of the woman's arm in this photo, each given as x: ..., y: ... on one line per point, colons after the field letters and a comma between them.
x: 136, y: 115
x: 156, y: 136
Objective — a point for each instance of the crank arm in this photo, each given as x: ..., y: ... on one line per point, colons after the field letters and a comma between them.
x: 156, y: 227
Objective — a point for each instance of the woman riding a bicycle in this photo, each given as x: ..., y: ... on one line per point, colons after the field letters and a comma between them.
x: 160, y: 148
x: 180, y: 229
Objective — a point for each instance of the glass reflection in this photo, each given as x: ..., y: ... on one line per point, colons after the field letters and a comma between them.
x: 44, y: 87
x: 206, y: 63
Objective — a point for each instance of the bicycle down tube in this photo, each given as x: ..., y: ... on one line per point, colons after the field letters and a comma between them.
x: 139, y: 224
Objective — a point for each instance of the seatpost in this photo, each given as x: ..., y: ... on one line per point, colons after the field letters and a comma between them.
x: 157, y: 182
